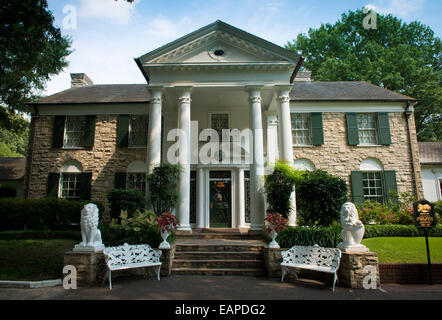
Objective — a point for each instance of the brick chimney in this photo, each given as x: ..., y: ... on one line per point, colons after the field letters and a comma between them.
x: 80, y: 80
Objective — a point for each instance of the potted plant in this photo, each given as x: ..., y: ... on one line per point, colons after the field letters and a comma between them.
x: 167, y: 223
x: 275, y: 223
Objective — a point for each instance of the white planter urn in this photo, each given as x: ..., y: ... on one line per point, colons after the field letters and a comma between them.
x: 273, y: 244
x: 164, y: 244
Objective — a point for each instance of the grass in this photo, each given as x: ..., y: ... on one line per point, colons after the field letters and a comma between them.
x: 405, y: 250
x: 33, y: 260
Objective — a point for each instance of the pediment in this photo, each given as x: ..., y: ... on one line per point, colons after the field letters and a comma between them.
x: 219, y: 43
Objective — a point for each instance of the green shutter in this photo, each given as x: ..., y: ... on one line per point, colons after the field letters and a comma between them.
x: 85, y: 185
x: 123, y: 130
x: 352, y: 128
x: 357, y: 187
x: 390, y: 184
x: 384, y: 128
x: 58, y: 133
x: 89, y: 132
x: 317, y: 129
x: 53, y: 183
x: 120, y: 180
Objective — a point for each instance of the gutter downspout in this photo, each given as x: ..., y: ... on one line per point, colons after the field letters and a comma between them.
x: 415, y: 163
x: 31, y: 147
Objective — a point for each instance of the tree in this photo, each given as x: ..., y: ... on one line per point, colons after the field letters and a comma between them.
x: 32, y: 49
x: 398, y: 56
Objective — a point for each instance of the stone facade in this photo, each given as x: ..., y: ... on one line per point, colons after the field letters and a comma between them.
x: 103, y: 160
x: 338, y: 158
x: 351, y: 271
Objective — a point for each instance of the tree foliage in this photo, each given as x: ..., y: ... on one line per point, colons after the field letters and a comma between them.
x: 31, y: 50
x: 398, y: 56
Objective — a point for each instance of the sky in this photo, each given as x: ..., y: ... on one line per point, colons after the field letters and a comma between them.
x: 108, y: 34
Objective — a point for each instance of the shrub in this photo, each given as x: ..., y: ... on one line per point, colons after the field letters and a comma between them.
x: 42, y: 214
x: 438, y: 211
x: 139, y: 229
x: 128, y: 200
x: 375, y: 231
x: 320, y: 197
x: 7, y: 191
x: 40, y: 235
x: 279, y: 186
x: 328, y: 237
x: 163, y: 187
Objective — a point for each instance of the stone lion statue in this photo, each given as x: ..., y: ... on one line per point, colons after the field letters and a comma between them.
x: 90, y: 234
x: 353, y: 229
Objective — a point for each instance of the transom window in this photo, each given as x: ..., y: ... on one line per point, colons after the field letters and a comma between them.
x: 136, y: 180
x: 138, y: 130
x: 220, y: 122
x: 74, y: 131
x: 373, y: 186
x: 367, y: 129
x: 301, y: 129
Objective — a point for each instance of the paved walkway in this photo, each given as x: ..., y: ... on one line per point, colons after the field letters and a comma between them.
x: 222, y: 288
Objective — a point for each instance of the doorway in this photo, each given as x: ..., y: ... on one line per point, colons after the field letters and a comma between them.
x: 220, y: 199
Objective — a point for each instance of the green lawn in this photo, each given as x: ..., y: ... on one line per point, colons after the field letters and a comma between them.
x: 405, y: 250
x: 33, y: 259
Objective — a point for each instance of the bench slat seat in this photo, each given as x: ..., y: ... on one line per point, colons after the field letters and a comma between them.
x: 130, y: 256
x: 312, y: 258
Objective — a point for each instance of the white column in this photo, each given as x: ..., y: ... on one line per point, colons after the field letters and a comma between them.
x: 200, y: 198
x: 286, y: 147
x: 241, y: 204
x: 285, y: 126
x: 154, y: 134
x: 272, y: 137
x: 257, y: 197
x: 183, y: 210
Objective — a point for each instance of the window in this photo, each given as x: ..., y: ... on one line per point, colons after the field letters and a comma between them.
x: 74, y: 131
x: 70, y: 180
x: 136, y: 181
x: 373, y: 186
x: 220, y: 122
x: 301, y: 129
x: 367, y: 129
x: 138, y: 130
x: 304, y: 165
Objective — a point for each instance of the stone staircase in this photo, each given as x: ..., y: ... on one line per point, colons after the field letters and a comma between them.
x: 219, y: 252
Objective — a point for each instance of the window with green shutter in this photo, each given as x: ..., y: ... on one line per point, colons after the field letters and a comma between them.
x: 88, y: 136
x: 52, y: 185
x: 317, y: 129
x: 123, y: 130
x: 85, y: 184
x: 384, y: 128
x: 120, y: 180
x: 58, y: 131
x: 373, y: 185
x: 352, y: 128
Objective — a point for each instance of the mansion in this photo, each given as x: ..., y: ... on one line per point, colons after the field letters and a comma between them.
x: 91, y: 138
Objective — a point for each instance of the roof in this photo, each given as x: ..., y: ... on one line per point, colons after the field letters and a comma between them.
x: 343, y: 91
x: 430, y: 152
x: 302, y: 91
x: 12, y: 168
x: 104, y: 93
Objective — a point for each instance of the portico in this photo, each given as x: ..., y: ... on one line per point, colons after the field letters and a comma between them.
x: 220, y: 108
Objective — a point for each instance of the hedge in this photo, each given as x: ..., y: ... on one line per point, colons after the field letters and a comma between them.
x: 376, y: 231
x: 41, y: 214
x: 40, y: 235
x: 330, y: 237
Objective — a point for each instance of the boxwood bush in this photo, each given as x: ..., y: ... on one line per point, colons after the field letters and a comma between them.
x: 42, y: 214
x: 128, y: 200
x: 328, y: 237
x: 375, y: 231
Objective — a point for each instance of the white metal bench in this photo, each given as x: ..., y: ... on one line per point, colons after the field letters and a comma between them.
x: 130, y: 256
x: 311, y: 258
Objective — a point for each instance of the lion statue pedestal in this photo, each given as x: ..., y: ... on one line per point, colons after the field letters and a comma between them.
x: 353, y: 230
x: 90, y: 235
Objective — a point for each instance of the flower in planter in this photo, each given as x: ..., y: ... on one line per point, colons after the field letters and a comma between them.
x: 167, y: 222
x: 275, y: 221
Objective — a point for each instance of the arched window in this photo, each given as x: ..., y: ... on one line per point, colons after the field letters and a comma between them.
x: 304, y: 165
x: 70, y: 180
x: 136, y: 175
x: 373, y: 180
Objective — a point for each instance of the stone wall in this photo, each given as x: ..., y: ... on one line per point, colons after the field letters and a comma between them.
x: 103, y: 160
x: 338, y: 158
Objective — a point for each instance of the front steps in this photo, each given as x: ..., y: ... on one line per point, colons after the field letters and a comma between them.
x: 219, y: 253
